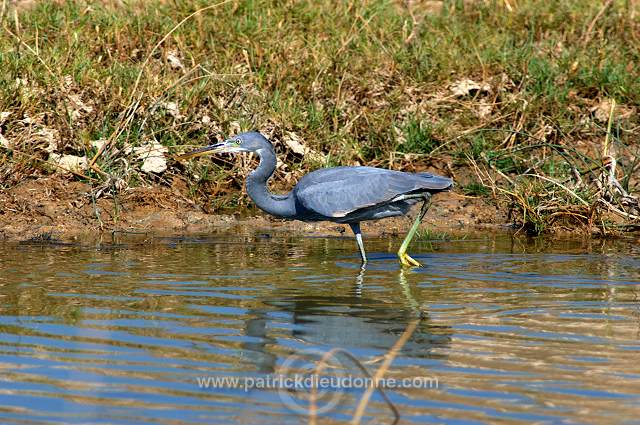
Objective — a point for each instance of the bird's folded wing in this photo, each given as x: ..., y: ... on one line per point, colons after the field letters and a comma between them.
x: 338, y: 192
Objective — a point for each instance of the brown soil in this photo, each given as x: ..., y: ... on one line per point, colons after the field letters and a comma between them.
x: 66, y: 210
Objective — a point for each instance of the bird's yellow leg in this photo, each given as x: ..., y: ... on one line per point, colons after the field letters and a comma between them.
x: 405, y: 259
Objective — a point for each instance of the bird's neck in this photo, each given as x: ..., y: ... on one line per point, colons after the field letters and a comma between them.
x: 278, y: 205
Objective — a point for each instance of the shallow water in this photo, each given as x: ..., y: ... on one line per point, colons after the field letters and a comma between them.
x: 508, y: 330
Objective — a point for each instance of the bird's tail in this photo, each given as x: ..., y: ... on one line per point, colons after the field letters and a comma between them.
x: 437, y: 183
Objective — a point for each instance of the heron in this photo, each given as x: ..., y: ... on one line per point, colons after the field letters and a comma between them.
x: 345, y: 195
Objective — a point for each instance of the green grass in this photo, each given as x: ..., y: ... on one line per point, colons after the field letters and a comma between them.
x: 357, y: 82
x: 475, y: 189
x: 418, y: 138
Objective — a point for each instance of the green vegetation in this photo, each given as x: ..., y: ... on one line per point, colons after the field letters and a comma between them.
x: 514, y: 97
x: 428, y: 235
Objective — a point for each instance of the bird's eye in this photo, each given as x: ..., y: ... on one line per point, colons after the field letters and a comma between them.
x: 238, y: 141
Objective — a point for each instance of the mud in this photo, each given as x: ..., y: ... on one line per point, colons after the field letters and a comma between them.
x: 65, y: 209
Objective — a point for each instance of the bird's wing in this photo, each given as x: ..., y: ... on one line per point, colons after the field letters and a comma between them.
x: 336, y: 192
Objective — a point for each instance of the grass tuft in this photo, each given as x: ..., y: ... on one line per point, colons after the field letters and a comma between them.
x: 515, y: 101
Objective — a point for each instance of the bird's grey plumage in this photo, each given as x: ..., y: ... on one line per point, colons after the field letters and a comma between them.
x: 341, y: 194
x: 349, y: 194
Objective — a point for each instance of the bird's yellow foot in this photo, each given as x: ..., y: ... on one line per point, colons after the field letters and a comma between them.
x: 406, y: 260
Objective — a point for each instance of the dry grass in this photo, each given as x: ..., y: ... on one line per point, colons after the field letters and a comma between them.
x: 513, y: 99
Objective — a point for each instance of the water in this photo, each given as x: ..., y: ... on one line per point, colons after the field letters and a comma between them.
x: 508, y: 331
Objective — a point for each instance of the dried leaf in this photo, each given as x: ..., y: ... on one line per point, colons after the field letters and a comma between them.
x: 78, y: 107
x: 467, y: 87
x: 484, y: 109
x: 601, y: 111
x: 172, y: 109
x: 98, y: 144
x: 49, y: 136
x: 4, y: 142
x: 234, y: 127
x: 174, y: 60
x: 294, y: 142
x: 152, y: 156
x: 69, y: 162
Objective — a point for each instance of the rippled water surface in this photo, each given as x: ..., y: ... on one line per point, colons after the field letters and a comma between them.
x: 508, y: 330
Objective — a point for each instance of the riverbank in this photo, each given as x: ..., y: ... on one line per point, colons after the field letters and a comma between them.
x: 536, y: 123
x: 64, y: 209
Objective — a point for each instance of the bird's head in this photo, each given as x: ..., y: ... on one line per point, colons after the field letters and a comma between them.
x: 251, y: 141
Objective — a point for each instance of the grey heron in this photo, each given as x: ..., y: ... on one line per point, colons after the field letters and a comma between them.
x: 346, y: 195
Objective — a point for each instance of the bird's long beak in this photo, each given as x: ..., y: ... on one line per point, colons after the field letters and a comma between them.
x: 211, y: 149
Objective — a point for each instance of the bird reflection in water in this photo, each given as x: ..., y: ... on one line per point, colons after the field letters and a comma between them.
x: 357, y: 323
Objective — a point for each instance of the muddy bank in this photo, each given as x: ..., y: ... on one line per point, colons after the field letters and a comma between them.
x: 69, y: 209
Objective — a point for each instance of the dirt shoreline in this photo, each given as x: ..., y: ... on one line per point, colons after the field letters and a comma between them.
x: 68, y: 209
